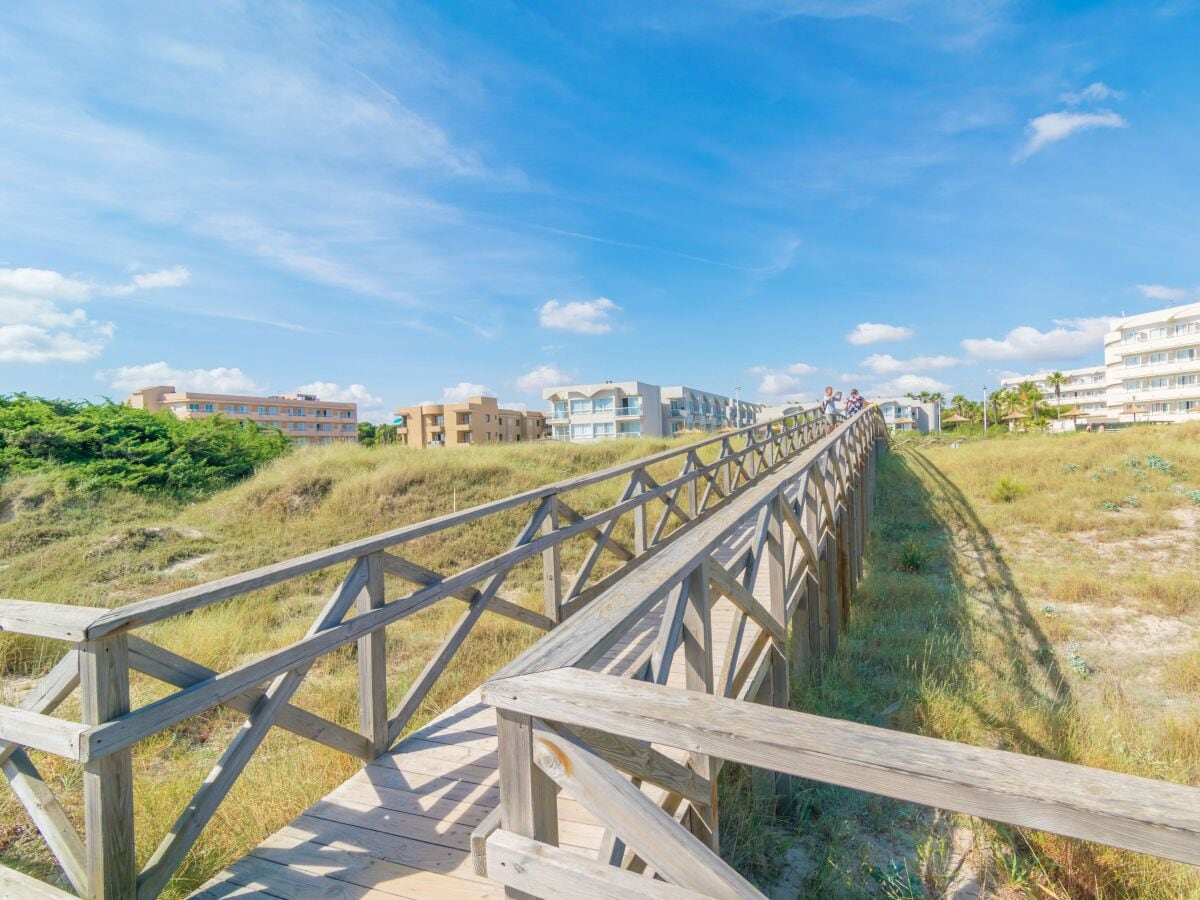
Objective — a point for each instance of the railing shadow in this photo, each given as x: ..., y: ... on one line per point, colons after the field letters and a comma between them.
x: 936, y: 588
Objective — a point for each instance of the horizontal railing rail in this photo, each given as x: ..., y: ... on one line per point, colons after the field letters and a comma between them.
x: 657, y: 509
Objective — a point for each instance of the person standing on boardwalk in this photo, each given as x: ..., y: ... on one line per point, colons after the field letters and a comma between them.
x: 829, y: 406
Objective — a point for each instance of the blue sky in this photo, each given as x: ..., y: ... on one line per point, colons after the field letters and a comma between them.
x: 399, y: 202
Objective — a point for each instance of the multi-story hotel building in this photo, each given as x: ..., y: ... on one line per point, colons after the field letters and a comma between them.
x: 1152, y: 364
x: 622, y: 409
x: 303, y: 417
x: 1085, y: 388
x: 478, y: 420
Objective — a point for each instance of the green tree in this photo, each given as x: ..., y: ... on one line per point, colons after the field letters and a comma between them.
x: 1056, y: 380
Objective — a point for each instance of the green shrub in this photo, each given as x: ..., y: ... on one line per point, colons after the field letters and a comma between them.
x: 1156, y: 462
x: 97, y: 446
x: 1131, y: 500
x: 1069, y: 468
x: 1007, y: 490
x: 1109, y: 506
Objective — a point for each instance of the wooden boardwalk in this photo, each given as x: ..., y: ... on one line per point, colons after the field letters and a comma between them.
x: 402, y: 826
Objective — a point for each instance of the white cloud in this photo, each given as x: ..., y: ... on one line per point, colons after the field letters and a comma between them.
x: 43, y: 283
x: 779, y: 384
x: 800, y: 369
x: 176, y: 276
x: 40, y: 321
x: 1162, y: 292
x: 520, y: 407
x: 1096, y: 92
x: 30, y: 344
x: 585, y: 317
x: 1071, y: 339
x: 874, y: 333
x: 370, y: 407
x: 221, y: 380
x: 886, y: 364
x: 464, y: 390
x: 543, y: 376
x: 907, y: 384
x: 1053, y: 127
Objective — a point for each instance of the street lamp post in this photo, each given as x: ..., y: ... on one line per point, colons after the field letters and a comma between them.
x: 985, y: 410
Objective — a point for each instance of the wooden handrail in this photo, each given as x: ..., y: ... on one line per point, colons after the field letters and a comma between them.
x: 1123, y: 811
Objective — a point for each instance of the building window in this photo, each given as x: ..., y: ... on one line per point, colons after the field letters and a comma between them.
x: 1133, y: 384
x: 208, y: 407
x: 580, y: 407
x: 604, y: 429
x: 602, y: 405
x: 560, y: 409
x: 630, y: 428
x: 1155, y: 333
x: 195, y: 407
x: 1155, y: 358
x: 561, y: 432
x: 1133, y: 360
x: 1185, y: 355
x: 1159, y: 382
x: 581, y: 432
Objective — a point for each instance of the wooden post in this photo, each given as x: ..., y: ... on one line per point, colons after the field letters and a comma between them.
x: 777, y: 607
x: 641, y: 522
x: 372, y: 663
x: 703, y: 821
x: 830, y: 596
x: 528, y: 797
x: 108, y: 781
x: 552, y: 563
x: 845, y: 578
x: 693, y: 493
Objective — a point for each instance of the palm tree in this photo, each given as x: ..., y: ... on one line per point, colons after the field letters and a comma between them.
x: 1028, y: 396
x: 1056, y: 380
x: 997, y: 400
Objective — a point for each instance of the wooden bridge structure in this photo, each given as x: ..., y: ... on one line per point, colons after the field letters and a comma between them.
x: 589, y: 764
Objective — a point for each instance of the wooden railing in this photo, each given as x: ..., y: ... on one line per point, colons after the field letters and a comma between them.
x: 105, y: 648
x: 642, y: 755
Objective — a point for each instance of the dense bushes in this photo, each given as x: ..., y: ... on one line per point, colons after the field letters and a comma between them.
x: 106, y: 445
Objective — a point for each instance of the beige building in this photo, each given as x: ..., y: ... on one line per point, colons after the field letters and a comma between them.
x: 479, y: 420
x: 303, y: 417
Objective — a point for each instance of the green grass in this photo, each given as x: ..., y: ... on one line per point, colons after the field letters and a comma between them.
x: 1033, y: 623
x: 106, y: 549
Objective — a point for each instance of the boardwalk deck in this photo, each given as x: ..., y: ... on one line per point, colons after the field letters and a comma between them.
x: 401, y: 827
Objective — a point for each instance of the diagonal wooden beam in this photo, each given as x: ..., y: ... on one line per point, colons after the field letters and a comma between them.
x: 204, y: 803
x: 670, y: 849
x: 160, y: 663
x: 641, y: 761
x: 419, y: 574
x: 669, y: 631
x: 745, y: 601
x: 610, y: 542
x: 417, y: 692
x: 585, y: 570
x: 49, y: 817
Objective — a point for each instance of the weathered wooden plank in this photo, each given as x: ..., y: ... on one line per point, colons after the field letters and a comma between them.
x: 19, y: 886
x: 24, y: 728
x: 372, y: 663
x: 673, y: 852
x: 528, y: 797
x: 60, y: 621
x: 601, y: 537
x: 48, y: 815
x: 1120, y: 810
x: 53, y: 688
x: 479, y: 838
x: 552, y: 588
x: 646, y: 764
x: 541, y: 870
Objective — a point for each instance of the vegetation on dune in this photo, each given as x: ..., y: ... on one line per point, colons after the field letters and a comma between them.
x: 1028, y: 621
x: 104, y: 548
x: 102, y: 446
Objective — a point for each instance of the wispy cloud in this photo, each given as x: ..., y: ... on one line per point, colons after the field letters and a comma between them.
x: 906, y: 384
x: 174, y: 277
x: 1096, y: 92
x: 581, y: 316
x: 1057, y: 126
x: 875, y: 333
x: 784, y: 382
x: 465, y: 390
x: 1162, y: 293
x: 370, y: 406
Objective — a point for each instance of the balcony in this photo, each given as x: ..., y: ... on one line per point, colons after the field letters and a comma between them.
x: 631, y: 411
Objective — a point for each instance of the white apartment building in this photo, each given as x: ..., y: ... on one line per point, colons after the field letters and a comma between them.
x: 596, y: 412
x: 623, y: 409
x: 904, y: 414
x: 1085, y: 389
x: 1152, y: 364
